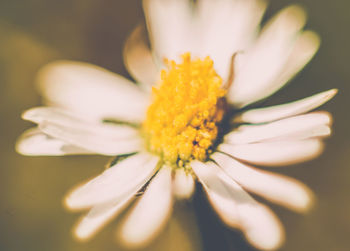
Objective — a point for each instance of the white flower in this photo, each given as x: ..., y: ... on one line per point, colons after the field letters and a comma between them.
x: 178, y: 140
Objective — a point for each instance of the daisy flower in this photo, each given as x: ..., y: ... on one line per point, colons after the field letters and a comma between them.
x: 186, y: 119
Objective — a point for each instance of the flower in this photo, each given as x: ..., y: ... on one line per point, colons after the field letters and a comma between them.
x: 191, y: 125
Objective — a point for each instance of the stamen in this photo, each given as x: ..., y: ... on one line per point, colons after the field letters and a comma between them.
x: 181, y: 123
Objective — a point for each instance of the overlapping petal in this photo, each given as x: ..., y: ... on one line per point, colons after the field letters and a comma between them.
x: 305, y: 126
x: 224, y: 27
x: 95, y: 137
x: 277, y: 188
x: 278, y: 46
x: 268, y: 114
x: 91, y: 92
x: 99, y: 216
x: 126, y: 177
x: 169, y: 27
x: 151, y: 212
x: 276, y: 153
x: 138, y: 59
x: 238, y: 209
x: 34, y: 142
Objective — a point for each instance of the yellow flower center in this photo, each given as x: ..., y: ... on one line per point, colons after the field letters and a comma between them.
x: 181, y: 123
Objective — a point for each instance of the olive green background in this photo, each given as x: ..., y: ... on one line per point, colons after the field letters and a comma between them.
x: 34, y: 32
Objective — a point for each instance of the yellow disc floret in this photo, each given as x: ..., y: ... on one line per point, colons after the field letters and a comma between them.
x: 181, y: 123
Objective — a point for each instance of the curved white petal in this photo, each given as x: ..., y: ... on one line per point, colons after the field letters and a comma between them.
x: 126, y: 177
x: 34, y: 142
x: 98, y: 143
x: 98, y: 217
x: 54, y: 115
x: 151, y: 212
x: 168, y: 25
x: 91, y: 92
x: 306, y: 46
x: 258, y: 67
x: 238, y: 209
x: 268, y: 114
x: 275, y: 153
x: 277, y: 188
x: 320, y: 131
x: 307, y: 124
x: 183, y: 184
x: 138, y: 59
x: 225, y: 27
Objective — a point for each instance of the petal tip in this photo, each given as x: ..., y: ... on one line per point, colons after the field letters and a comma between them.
x: 273, y: 241
x: 130, y: 239
x: 81, y: 232
x: 29, y: 115
x: 309, y: 203
x: 24, y: 144
x: 81, y: 235
x: 44, y: 72
x: 313, y: 38
x: 20, y: 147
x: 71, y: 204
x: 331, y: 93
x: 305, y: 201
x: 295, y: 12
x: 68, y: 203
x: 23, y: 148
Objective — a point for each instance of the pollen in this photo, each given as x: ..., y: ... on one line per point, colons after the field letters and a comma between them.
x: 182, y: 122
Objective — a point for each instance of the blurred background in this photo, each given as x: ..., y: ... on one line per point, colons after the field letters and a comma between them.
x: 35, y: 32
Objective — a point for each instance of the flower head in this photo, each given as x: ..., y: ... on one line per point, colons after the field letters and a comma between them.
x: 184, y: 120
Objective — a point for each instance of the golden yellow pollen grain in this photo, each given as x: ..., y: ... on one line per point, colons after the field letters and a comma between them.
x: 181, y: 123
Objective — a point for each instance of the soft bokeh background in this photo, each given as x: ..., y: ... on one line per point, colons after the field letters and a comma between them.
x: 34, y: 32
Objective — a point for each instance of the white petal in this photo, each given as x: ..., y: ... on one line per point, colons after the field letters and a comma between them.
x: 237, y: 209
x: 138, y: 59
x: 34, y: 142
x: 98, y: 217
x: 126, y: 177
x: 277, y: 188
x: 285, y: 128
x: 258, y: 67
x: 183, y: 184
x: 305, y: 48
x: 320, y: 131
x: 92, y: 142
x: 272, y: 113
x: 275, y: 153
x: 168, y: 24
x: 151, y: 212
x: 62, y: 117
x: 225, y: 27
x: 91, y: 91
